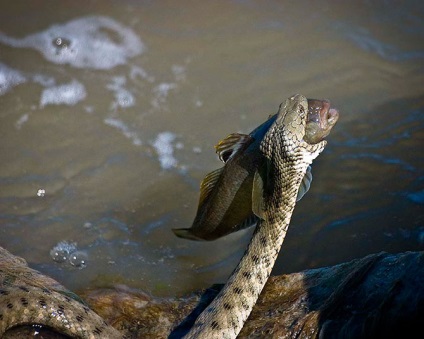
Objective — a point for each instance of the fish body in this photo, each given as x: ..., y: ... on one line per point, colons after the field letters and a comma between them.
x: 225, y: 203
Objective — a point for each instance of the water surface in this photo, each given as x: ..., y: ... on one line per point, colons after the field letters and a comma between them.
x: 110, y: 111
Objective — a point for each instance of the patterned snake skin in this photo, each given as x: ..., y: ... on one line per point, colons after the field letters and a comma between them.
x: 27, y: 297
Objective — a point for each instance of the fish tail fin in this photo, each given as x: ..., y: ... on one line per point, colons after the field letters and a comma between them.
x: 185, y: 233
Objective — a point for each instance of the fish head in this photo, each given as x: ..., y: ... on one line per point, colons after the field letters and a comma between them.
x: 320, y: 120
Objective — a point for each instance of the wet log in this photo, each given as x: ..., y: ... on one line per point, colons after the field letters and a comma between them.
x: 378, y: 296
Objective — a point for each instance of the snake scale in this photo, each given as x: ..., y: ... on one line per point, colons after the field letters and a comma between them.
x: 275, y: 190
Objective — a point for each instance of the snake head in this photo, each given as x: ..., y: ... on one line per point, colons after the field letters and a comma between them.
x: 301, y: 126
x: 292, y: 118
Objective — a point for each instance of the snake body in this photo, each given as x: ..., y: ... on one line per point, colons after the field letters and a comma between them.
x: 32, y: 305
x: 275, y: 192
x: 27, y: 297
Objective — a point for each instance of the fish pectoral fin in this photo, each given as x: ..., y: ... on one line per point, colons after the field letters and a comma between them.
x: 232, y: 144
x: 258, y: 196
x: 185, y: 233
x: 208, y: 184
x: 305, y: 184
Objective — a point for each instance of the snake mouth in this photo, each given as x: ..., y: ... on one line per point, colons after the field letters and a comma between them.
x: 320, y: 120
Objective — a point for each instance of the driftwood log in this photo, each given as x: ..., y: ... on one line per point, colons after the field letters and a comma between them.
x: 378, y: 296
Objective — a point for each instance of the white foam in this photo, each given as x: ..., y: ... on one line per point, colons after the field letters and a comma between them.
x: 41, y: 192
x: 89, y: 109
x: 139, y: 72
x: 91, y: 42
x: 165, y: 149
x: 120, y: 125
x: 43, y: 80
x: 9, y: 78
x: 68, y: 94
x: 197, y: 150
x: 160, y: 93
x: 179, y: 72
x: 22, y: 120
x: 123, y: 97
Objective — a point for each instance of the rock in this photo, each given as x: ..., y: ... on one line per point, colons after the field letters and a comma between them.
x: 378, y: 296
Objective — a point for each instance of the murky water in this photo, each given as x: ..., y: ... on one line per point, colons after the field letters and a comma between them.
x: 109, y: 113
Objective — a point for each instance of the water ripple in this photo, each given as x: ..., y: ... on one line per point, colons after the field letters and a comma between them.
x: 365, y: 40
x: 381, y: 158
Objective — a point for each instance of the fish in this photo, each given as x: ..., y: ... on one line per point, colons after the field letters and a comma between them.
x: 225, y: 201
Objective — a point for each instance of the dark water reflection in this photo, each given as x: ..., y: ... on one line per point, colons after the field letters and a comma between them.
x: 371, y: 199
x: 116, y: 121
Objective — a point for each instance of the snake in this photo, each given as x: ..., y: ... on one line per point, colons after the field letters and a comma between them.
x: 24, y: 300
x: 274, y: 194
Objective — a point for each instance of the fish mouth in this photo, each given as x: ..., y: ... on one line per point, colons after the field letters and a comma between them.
x: 320, y: 120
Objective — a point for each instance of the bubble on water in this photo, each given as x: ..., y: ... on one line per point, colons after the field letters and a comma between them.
x: 61, y: 43
x: 41, y: 192
x: 59, y: 255
x: 62, y: 251
x: 78, y: 259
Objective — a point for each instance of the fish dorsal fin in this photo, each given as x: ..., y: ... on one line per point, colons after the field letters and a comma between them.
x: 229, y: 146
x: 305, y: 184
x: 208, y: 183
x: 258, y: 196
